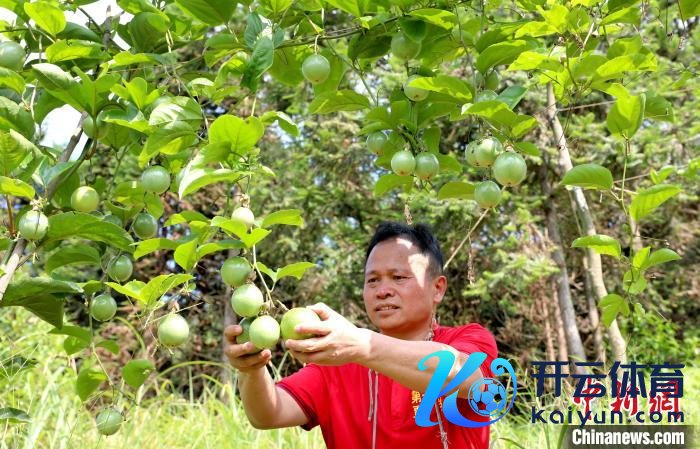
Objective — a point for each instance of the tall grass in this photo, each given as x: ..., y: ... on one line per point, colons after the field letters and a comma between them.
x: 59, y: 420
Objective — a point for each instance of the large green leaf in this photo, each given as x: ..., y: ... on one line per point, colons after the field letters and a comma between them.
x: 241, y: 135
x: 135, y: 372
x: 625, y: 116
x: 196, y: 178
x: 186, y: 254
x: 14, y: 415
x: 502, y: 53
x: 447, y: 85
x: 342, y: 100
x: 659, y: 257
x: 456, y: 189
x: 248, y: 237
x: 14, y: 147
x: 260, y: 60
x: 14, y: 365
x: 211, y: 12
x: 437, y: 17
x: 649, y: 199
x: 589, y: 176
x: 291, y: 217
x: 602, y: 244
x: 159, y: 285
x: 149, y: 246
x: 47, y: 15
x: 77, y: 224
x: 11, y: 80
x: 15, y: 117
x: 689, y: 8
x: 296, y: 270
x: 89, y: 379
x: 41, y: 296
x: 168, y: 139
x: 15, y: 187
x: 184, y: 109
x: 221, y: 245
x: 77, y: 254
x: 611, y: 306
x: 68, y: 50
x: 502, y: 117
x: 390, y: 181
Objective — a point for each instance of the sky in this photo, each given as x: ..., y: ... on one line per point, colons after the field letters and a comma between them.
x: 60, y: 123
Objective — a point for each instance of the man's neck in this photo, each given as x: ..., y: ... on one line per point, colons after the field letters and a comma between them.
x: 418, y: 335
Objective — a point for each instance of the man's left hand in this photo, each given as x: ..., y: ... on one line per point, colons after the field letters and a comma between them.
x: 337, y: 341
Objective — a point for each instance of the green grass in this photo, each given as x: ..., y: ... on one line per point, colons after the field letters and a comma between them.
x: 59, y: 420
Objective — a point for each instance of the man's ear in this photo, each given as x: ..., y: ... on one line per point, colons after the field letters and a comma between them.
x: 440, y: 286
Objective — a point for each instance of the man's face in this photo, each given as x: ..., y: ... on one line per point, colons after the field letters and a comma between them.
x: 399, y: 293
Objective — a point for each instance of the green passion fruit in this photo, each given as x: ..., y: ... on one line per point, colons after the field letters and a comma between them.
x: 85, y: 199
x: 294, y: 317
x: 155, y: 179
x: 235, y: 271
x: 509, y: 169
x: 120, y: 268
x: 108, y: 421
x: 244, y: 216
x: 487, y: 194
x: 33, y: 225
x: 247, y: 300
x: 427, y: 165
x: 414, y: 93
x: 403, y: 163
x: 316, y: 69
x: 103, y: 307
x: 173, y: 330
x: 264, y: 332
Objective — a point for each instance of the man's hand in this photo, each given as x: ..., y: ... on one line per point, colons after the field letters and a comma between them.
x: 243, y: 357
x: 337, y: 340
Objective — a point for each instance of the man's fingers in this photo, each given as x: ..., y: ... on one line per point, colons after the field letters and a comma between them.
x: 244, y: 359
x: 232, y: 331
x: 323, y: 311
x: 321, y: 328
x: 308, y: 345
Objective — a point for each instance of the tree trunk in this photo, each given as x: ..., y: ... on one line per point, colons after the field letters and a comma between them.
x: 580, y: 205
x: 546, y: 318
x: 561, y: 333
x: 594, y: 317
x: 563, y: 294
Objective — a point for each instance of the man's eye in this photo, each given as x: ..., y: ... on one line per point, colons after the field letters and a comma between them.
x: 371, y: 281
x: 400, y: 277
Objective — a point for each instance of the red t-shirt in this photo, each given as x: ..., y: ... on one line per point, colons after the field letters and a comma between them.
x: 337, y: 399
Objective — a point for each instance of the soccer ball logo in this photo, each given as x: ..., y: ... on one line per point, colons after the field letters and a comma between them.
x: 488, y: 397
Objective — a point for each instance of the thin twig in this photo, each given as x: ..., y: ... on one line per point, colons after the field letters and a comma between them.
x: 466, y: 237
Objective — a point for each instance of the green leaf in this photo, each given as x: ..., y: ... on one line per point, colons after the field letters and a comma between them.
x: 296, y: 270
x: 184, y: 109
x: 160, y: 285
x: 15, y: 117
x: 342, y: 100
x: 500, y: 116
x: 76, y: 254
x: 77, y: 224
x: 210, y: 12
x: 438, y: 17
x: 449, y: 164
x: 169, y: 139
x: 617, y: 67
x: 110, y: 345
x: 589, y: 176
x: 447, y: 85
x: 131, y: 289
x: 661, y: 175
x: 11, y: 80
x: 24, y: 288
x: 249, y: 238
x: 531, y: 60
x: 242, y: 135
x: 659, y: 257
x: 186, y: 254
x: 89, y: 379
x: 512, y: 95
x: 612, y: 305
x: 640, y: 256
x: 368, y: 46
x: 260, y: 60
x: 634, y: 282
x: 390, y: 181
x: 221, y: 245
x: 268, y: 271
x: 14, y: 147
x: 502, y: 53
x: 291, y: 217
x: 15, y: 187
x: 625, y: 116
x: 349, y: 6
x: 69, y: 50
x: 196, y: 178
x: 149, y: 246
x: 47, y: 16
x: 135, y: 372
x: 626, y: 15
x: 14, y: 415
x: 647, y: 200
x: 602, y: 244
x: 283, y: 120
x: 689, y: 8
x: 14, y: 365
x: 456, y: 189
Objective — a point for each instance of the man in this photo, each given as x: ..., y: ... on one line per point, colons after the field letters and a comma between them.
x: 362, y: 387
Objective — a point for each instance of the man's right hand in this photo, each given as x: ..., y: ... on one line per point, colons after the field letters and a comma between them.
x: 243, y: 357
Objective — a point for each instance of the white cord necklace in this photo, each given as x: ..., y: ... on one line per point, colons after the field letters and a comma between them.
x: 374, y: 402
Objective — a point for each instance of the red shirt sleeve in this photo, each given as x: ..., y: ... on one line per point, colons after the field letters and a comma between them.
x: 474, y: 338
x: 308, y: 388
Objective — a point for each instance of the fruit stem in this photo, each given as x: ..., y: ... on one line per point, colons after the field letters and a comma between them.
x: 262, y: 279
x: 466, y: 237
x: 10, y: 215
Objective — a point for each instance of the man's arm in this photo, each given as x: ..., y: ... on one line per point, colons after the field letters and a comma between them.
x: 265, y: 405
x: 341, y: 342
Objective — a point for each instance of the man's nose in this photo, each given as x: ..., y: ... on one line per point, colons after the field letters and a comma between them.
x: 384, y: 291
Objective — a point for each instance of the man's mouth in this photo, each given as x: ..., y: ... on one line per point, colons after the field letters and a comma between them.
x: 385, y: 307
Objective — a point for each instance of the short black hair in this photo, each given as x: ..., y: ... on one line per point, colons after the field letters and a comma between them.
x: 419, y: 234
